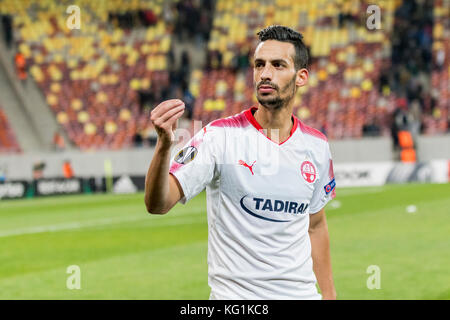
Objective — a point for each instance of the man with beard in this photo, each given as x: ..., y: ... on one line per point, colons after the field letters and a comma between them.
x: 268, y: 178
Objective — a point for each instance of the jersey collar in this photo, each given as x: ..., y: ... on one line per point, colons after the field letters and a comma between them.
x: 249, y: 115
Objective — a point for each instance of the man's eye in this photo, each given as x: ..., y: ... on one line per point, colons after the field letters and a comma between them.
x: 258, y: 65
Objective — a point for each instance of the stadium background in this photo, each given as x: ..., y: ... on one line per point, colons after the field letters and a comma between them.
x: 76, y: 138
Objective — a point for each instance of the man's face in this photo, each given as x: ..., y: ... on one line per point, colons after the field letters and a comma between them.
x: 274, y: 73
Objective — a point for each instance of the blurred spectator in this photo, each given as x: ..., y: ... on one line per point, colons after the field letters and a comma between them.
x: 67, y: 169
x: 148, y: 17
x: 126, y: 20
x: 412, y: 47
x: 138, y: 139
x: 440, y: 59
x: 194, y: 20
x: 169, y: 14
x: 188, y: 99
x: 324, y: 128
x: 241, y: 59
x: 204, y: 26
x: 146, y: 99
x: 244, y: 58
x: 152, y: 137
x: 58, y: 141
x: 123, y: 19
x: 346, y: 17
x: 175, y: 76
x: 400, y: 121
x: 2, y: 173
x: 21, y: 64
x: 213, y: 60
x: 7, y: 29
x: 38, y: 170
x: 185, y: 67
x: 415, y: 119
x: 384, y: 79
x: 171, y: 55
x: 371, y: 129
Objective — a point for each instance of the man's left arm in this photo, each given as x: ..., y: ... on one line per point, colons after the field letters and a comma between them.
x: 320, y: 252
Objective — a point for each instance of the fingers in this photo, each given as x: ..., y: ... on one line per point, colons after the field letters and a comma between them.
x: 167, y: 125
x: 173, y: 122
x: 165, y: 106
x: 162, y: 119
x: 174, y: 118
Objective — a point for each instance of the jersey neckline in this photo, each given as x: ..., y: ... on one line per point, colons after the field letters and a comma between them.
x: 250, y: 117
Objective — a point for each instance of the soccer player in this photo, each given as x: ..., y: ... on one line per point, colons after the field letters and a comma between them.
x: 267, y: 176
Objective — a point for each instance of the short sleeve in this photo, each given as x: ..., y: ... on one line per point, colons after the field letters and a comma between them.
x: 325, y: 187
x: 195, y: 165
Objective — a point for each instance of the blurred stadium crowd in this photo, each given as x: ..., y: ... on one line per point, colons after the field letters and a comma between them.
x: 101, y: 81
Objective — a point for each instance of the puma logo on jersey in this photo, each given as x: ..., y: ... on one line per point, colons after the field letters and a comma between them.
x: 242, y: 163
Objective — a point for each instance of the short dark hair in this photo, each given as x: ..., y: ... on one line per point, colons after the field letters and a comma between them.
x: 285, y: 34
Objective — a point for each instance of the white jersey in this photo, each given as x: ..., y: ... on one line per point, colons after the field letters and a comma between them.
x: 259, y: 197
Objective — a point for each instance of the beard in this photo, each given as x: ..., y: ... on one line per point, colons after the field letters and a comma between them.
x: 273, y: 103
x: 275, y: 100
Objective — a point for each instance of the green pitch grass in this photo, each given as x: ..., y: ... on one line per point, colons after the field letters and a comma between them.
x: 125, y: 253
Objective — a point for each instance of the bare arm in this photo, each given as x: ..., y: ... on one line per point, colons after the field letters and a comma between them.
x: 162, y: 190
x: 320, y: 246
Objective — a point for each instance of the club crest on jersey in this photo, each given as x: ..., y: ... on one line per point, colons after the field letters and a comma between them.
x: 186, y: 155
x: 309, y: 172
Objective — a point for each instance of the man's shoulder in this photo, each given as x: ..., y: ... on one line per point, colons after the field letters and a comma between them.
x: 317, y: 142
x: 238, y: 120
x: 312, y: 133
x: 216, y: 130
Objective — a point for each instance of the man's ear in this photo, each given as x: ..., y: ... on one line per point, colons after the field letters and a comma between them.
x: 301, y: 78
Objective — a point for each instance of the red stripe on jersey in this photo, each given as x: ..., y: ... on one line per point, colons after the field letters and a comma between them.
x: 331, y: 176
x: 174, y: 167
x: 331, y: 171
x: 252, y: 120
x: 237, y: 121
x: 311, y: 131
x: 196, y: 141
x: 448, y: 170
x: 294, y: 127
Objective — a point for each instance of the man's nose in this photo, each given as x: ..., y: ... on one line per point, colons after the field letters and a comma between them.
x: 266, y: 74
